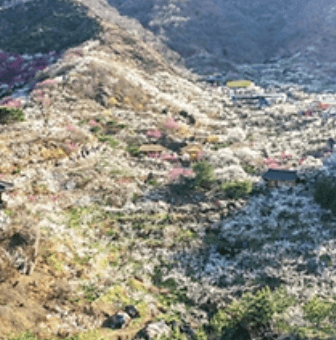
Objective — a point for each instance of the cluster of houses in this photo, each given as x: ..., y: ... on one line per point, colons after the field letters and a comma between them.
x: 273, y: 177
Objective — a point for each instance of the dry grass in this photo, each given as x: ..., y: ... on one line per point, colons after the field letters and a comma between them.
x: 57, y: 153
x: 108, y: 88
x: 40, y: 189
x: 130, y: 95
x: 21, y: 239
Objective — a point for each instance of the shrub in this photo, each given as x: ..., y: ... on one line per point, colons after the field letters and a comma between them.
x: 317, y: 310
x: 11, y: 115
x: 111, y: 123
x: 220, y: 146
x: 325, y: 193
x: 332, y: 207
x: 237, y: 189
x: 204, y: 173
x: 133, y: 149
x: 254, y: 311
x: 200, y: 334
x: 175, y: 335
x: 261, y: 308
x: 90, y: 292
x: 95, y: 129
x: 113, y: 143
x: 153, y: 182
x: 122, y: 126
x: 249, y: 169
x: 135, y: 196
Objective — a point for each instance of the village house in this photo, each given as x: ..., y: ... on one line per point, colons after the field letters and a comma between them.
x: 194, y: 151
x: 153, y: 148
x: 278, y: 177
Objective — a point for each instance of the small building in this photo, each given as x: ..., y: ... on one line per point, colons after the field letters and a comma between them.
x: 278, y: 177
x: 194, y: 151
x: 152, y: 148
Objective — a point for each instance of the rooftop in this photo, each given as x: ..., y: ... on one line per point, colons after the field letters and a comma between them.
x: 280, y: 175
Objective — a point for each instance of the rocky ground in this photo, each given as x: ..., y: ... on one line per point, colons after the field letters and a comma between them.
x: 100, y: 235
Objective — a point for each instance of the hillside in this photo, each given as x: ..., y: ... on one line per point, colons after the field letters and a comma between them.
x: 215, y: 36
x: 241, y: 31
x: 138, y: 208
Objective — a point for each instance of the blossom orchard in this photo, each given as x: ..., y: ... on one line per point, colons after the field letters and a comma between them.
x: 41, y: 96
x: 70, y: 127
x: 153, y: 154
x: 125, y: 180
x: 56, y: 197
x: 171, y: 124
x: 163, y: 157
x: 48, y: 83
x: 72, y: 146
x: 285, y: 156
x: 13, y: 193
x: 11, y: 102
x: 33, y: 198
x: 17, y: 70
x: 154, y: 133
x: 273, y: 163
x: 93, y: 123
x: 179, y: 171
x: 199, y: 155
x: 170, y: 157
x: 41, y: 92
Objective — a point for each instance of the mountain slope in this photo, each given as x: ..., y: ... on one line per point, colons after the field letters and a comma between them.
x: 138, y: 206
x: 239, y: 31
